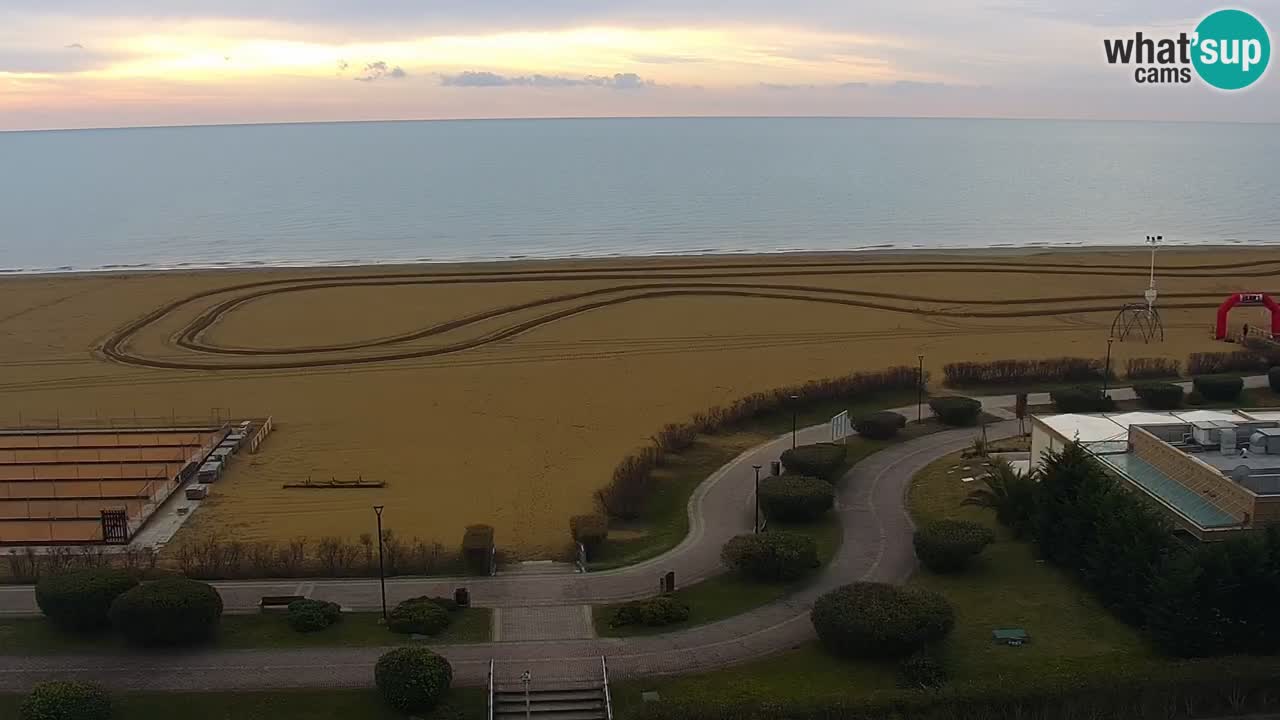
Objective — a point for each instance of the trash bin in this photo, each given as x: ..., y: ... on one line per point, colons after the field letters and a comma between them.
x: 775, y: 468
x: 462, y: 597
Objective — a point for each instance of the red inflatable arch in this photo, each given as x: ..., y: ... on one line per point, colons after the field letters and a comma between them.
x: 1250, y: 298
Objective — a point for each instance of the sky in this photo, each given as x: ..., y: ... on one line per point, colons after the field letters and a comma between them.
x: 120, y: 63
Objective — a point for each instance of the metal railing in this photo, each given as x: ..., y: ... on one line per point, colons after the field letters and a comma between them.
x: 608, y: 700
x: 581, y: 560
x: 491, y: 689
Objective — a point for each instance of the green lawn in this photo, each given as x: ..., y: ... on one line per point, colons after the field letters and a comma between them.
x: 729, y: 594
x: 461, y: 704
x: 665, y: 521
x: 28, y: 636
x: 1072, y: 634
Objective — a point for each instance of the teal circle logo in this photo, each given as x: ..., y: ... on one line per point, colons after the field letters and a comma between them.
x: 1231, y: 49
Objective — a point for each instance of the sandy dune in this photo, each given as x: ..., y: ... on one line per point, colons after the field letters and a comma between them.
x: 506, y: 393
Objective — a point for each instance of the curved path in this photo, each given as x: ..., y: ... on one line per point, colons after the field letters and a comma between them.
x: 876, y: 546
x: 189, y: 349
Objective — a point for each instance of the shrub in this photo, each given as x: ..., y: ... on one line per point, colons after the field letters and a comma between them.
x: 169, y: 611
x: 1147, y: 368
x: 477, y: 548
x: 795, y: 498
x: 1218, y: 388
x: 61, y: 700
x: 922, y: 670
x: 1010, y: 493
x: 880, y: 425
x: 771, y: 556
x: 313, y: 615
x: 947, y: 546
x: 1081, y: 399
x: 81, y: 600
x: 418, y: 616
x: 998, y: 372
x: 878, y: 620
x: 1222, y: 362
x: 821, y: 460
x: 1273, y: 379
x: 1160, y: 396
x: 449, y: 604
x: 590, y: 530
x: 412, y: 679
x: 650, y: 612
x: 955, y: 410
x: 1195, y: 398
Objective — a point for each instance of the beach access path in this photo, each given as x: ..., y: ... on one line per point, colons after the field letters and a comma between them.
x: 541, y: 620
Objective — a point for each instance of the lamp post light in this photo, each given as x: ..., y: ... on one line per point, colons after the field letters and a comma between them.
x: 920, y: 389
x: 755, y: 520
x: 795, y: 401
x: 382, y: 574
x: 1106, y: 371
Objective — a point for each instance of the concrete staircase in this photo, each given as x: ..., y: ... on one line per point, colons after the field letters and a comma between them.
x: 561, y: 701
x: 580, y: 691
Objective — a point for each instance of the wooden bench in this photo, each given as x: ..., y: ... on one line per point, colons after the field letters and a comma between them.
x: 276, y: 602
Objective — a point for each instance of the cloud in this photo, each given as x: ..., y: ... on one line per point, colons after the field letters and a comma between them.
x: 485, y: 79
x: 376, y: 71
x: 665, y: 59
x: 76, y: 46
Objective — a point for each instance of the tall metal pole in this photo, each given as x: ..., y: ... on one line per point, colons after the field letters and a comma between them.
x: 755, y: 521
x: 795, y: 401
x: 382, y: 573
x: 920, y: 389
x: 1106, y: 371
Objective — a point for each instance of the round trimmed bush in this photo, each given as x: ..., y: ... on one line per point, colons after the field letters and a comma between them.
x: 418, y: 616
x: 795, y: 498
x: 955, y: 410
x: 1273, y: 379
x: 61, y: 700
x: 1081, y: 399
x: 947, y: 546
x: 650, y: 612
x: 1160, y: 395
x: 1218, y: 388
x: 771, y: 556
x: 820, y: 460
x: 412, y: 679
x: 880, y: 425
x: 81, y: 600
x: 922, y: 670
x: 312, y: 615
x: 877, y: 620
x: 169, y: 611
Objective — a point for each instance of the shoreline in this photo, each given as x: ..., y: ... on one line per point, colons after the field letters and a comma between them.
x: 697, y: 257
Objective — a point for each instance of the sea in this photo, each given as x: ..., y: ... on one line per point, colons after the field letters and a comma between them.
x: 439, y: 191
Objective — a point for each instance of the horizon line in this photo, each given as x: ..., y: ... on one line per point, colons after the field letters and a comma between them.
x: 553, y: 118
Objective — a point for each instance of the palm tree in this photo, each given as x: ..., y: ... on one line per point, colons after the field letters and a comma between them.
x: 1009, y: 492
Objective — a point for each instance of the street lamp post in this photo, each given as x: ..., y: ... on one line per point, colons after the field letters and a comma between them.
x: 755, y: 520
x: 382, y: 574
x: 1106, y: 371
x: 795, y: 401
x: 920, y: 389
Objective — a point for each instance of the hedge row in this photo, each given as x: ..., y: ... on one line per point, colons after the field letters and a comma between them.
x: 657, y: 611
x: 1004, y: 372
x: 1209, y: 363
x: 1081, y: 399
x: 171, y: 611
x: 81, y: 600
x: 632, y: 481
x: 771, y: 556
x: 879, y: 620
x: 820, y: 460
x: 313, y: 615
x: 795, y: 498
x: 1160, y: 396
x: 1218, y: 388
x: 947, y: 546
x: 1152, y: 368
x: 955, y: 410
x: 880, y: 425
x: 419, y: 616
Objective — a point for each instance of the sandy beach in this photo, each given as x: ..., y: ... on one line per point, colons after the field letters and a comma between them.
x: 505, y: 393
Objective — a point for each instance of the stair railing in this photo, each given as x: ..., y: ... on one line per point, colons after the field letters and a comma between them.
x: 491, y: 689
x: 608, y: 701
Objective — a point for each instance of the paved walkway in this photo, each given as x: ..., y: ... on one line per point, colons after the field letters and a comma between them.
x: 876, y: 546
